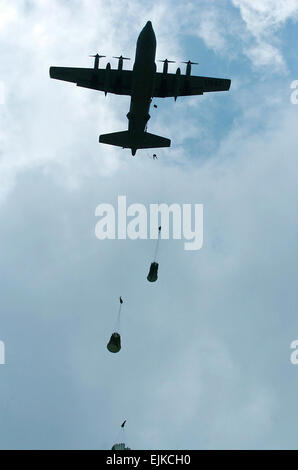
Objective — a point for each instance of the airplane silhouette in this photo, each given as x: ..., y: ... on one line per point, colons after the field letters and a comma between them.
x: 142, y: 83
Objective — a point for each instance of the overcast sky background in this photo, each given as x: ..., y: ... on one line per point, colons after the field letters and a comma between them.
x: 205, y: 358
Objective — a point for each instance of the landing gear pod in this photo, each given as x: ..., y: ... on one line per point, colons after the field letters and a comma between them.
x: 114, y: 345
x: 152, y: 276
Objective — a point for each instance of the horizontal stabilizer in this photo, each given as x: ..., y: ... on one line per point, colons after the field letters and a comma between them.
x: 126, y: 140
x: 120, y: 139
x: 151, y: 141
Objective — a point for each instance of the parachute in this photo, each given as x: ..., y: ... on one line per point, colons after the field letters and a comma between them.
x: 152, y: 275
x: 114, y: 345
x: 121, y: 445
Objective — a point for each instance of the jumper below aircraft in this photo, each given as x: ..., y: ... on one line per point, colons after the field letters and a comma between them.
x: 142, y: 83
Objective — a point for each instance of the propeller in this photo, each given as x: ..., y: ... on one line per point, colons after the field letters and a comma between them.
x: 189, y: 63
x: 121, y: 59
x: 96, y: 61
x: 97, y: 55
x: 165, y: 64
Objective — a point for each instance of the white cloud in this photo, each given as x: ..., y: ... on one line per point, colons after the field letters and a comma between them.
x: 263, y: 20
x: 211, y: 29
x: 264, y: 54
x: 8, y: 15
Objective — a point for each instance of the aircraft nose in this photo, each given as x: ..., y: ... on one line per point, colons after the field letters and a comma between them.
x: 147, y: 34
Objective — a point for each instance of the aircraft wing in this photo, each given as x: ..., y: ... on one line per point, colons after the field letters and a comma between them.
x: 110, y: 81
x: 170, y: 84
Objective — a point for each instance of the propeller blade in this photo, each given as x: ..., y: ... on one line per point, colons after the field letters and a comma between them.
x: 120, y: 57
x: 168, y: 61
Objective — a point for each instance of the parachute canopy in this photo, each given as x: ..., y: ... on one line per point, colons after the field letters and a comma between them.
x: 152, y: 276
x: 120, y: 446
x: 114, y: 345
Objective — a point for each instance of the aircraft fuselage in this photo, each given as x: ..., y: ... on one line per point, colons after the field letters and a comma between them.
x: 142, y: 88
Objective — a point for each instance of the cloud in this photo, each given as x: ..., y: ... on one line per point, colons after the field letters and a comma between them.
x: 263, y: 20
x: 264, y: 54
x: 204, y: 353
x: 205, y: 361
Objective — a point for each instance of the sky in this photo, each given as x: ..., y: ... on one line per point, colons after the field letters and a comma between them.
x: 205, y: 359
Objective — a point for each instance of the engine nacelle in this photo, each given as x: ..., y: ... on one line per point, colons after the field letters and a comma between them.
x: 120, y: 61
x: 107, y: 78
x: 177, y: 83
x: 166, y: 63
x: 96, y: 60
x: 189, y: 63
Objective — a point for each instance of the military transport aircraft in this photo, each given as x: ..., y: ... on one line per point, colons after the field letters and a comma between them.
x: 142, y: 83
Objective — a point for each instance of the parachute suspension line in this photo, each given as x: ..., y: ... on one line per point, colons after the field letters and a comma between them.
x: 117, y: 323
x: 157, y: 244
x: 121, y: 433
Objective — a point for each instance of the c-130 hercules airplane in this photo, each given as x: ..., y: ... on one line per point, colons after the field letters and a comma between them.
x: 142, y: 83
